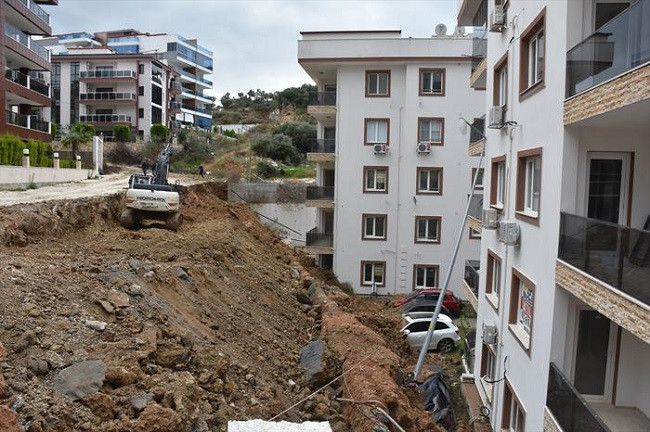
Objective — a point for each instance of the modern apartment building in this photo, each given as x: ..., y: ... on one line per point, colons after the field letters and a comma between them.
x: 24, y: 85
x: 563, y: 331
x: 393, y: 168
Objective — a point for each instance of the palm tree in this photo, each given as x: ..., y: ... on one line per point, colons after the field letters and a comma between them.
x: 77, y: 134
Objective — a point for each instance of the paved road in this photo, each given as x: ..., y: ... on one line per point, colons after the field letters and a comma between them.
x: 106, y: 185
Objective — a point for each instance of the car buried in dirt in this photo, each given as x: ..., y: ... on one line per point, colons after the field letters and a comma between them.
x: 445, y: 336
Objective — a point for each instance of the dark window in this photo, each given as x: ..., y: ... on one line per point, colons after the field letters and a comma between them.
x: 156, y: 115
x: 141, y: 90
x: 74, y: 92
x: 140, y: 112
x: 418, y: 327
x: 140, y: 68
x: 141, y: 133
x: 156, y: 95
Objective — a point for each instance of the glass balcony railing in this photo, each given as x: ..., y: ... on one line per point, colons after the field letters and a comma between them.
x: 108, y: 74
x: 39, y: 12
x: 175, y: 86
x: 107, y: 96
x: 322, y: 98
x: 22, y: 38
x: 122, y: 39
x: 28, y: 82
x: 78, y: 35
x: 618, y: 46
x: 27, y: 121
x: 323, y: 145
x: 175, y: 105
x: 16, y: 119
x: 568, y: 406
x: 476, y: 206
x: 39, y: 125
x: 479, y: 45
x: 105, y: 118
x: 614, y: 254
x: 320, y: 192
x: 471, y: 277
x: 195, y: 77
x: 317, y: 238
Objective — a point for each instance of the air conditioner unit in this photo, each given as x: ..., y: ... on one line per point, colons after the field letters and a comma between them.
x: 490, y: 219
x: 496, y: 117
x: 380, y: 148
x: 497, y: 20
x: 509, y: 233
x: 424, y: 148
x: 489, y: 334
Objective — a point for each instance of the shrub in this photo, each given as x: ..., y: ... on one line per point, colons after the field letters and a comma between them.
x: 277, y: 147
x: 266, y: 170
x: 11, y: 151
x: 159, y: 132
x: 229, y: 133
x: 122, y: 133
x: 301, y: 134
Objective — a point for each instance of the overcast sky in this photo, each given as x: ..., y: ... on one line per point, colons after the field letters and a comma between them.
x: 254, y: 42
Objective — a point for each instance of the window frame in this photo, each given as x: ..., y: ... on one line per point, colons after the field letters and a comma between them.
x: 365, y: 217
x: 363, y: 282
x: 374, y: 95
x: 486, y: 372
x: 479, y: 186
x: 499, y: 97
x: 493, y: 295
x: 436, y: 268
x: 522, y: 191
x: 536, y: 27
x: 420, y: 169
x: 375, y: 168
x: 498, y: 187
x: 443, y: 79
x: 510, y: 400
x: 438, y: 219
x: 365, y: 131
x: 475, y: 235
x: 442, y: 130
x: 516, y: 328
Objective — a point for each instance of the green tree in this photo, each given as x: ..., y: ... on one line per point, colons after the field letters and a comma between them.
x: 301, y: 133
x: 77, y: 134
x: 297, y: 97
x: 159, y: 132
x: 277, y: 147
x: 122, y: 133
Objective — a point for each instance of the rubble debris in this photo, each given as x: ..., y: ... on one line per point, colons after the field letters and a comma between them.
x: 81, y: 379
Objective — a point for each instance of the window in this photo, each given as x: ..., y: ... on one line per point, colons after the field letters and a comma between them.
x: 373, y: 272
x: 427, y: 229
x: 140, y: 112
x: 141, y: 90
x: 513, y: 414
x: 431, y: 130
x: 493, y: 278
x: 376, y: 131
x: 501, y: 82
x: 479, y: 180
x: 474, y: 235
x: 375, y: 179
x: 532, y: 55
x: 529, y: 176
x: 141, y: 134
x: 140, y: 68
x: 432, y: 82
x: 429, y: 180
x: 522, y: 302
x: 374, y: 227
x: 498, y: 182
x: 377, y: 83
x: 488, y: 369
x: 425, y: 276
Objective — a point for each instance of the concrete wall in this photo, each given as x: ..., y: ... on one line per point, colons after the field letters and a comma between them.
x: 298, y: 217
x: 13, y: 176
x: 633, y: 377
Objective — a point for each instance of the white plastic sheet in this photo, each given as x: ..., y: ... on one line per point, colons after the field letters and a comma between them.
x: 266, y: 426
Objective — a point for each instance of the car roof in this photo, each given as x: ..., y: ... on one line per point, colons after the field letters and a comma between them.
x: 441, y: 318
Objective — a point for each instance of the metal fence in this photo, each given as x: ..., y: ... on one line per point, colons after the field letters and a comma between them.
x: 317, y: 238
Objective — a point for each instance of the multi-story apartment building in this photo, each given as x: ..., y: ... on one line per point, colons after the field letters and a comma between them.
x: 24, y: 85
x: 393, y: 169
x: 563, y: 331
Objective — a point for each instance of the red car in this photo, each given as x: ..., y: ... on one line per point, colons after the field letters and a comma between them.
x: 427, y: 296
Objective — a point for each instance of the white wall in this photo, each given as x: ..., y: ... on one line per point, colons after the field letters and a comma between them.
x: 21, y: 177
x: 633, y: 377
x: 296, y: 216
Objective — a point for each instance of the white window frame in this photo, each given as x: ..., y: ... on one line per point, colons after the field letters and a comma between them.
x: 431, y: 138
x: 516, y: 416
x: 376, y: 90
x: 501, y: 184
x: 427, y: 220
x: 423, y: 268
x: 373, y: 219
x: 429, y: 173
x: 432, y: 73
x: 374, y: 126
x: 536, y: 58
x: 366, y: 282
x: 532, y: 185
x: 503, y: 85
x: 374, y: 187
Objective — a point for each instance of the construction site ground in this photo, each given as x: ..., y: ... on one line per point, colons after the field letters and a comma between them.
x: 107, y: 329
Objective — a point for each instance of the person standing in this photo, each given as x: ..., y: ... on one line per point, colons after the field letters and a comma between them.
x: 201, y: 171
x: 145, y: 166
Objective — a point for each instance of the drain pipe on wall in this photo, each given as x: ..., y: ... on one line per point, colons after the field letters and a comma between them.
x: 432, y: 325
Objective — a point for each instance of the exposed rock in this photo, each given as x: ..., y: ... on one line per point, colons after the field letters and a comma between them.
x: 295, y: 273
x: 96, y: 325
x: 26, y: 339
x: 134, y: 290
x: 156, y: 418
x: 8, y: 420
x: 181, y: 274
x: 3, y: 352
x: 81, y: 379
x: 150, y: 275
x: 319, y: 363
x: 118, y: 376
x: 134, y: 264
x: 140, y: 401
x: 171, y: 355
x: 101, y: 405
x: 119, y: 299
x: 303, y: 298
x: 4, y: 393
x: 38, y: 366
x: 108, y: 308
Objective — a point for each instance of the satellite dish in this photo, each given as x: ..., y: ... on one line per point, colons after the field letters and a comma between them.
x: 460, y: 31
x: 441, y: 30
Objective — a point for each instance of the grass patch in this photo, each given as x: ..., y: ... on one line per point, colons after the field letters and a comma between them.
x: 307, y: 170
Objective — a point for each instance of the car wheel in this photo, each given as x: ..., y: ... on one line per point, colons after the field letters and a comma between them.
x: 446, y: 345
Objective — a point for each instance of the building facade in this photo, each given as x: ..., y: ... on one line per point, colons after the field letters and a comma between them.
x: 24, y: 85
x: 563, y: 328
x: 393, y: 169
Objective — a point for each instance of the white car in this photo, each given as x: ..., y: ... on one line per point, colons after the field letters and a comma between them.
x: 445, y: 337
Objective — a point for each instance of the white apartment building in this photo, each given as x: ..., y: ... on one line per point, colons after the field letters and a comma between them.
x: 563, y: 331
x: 393, y: 168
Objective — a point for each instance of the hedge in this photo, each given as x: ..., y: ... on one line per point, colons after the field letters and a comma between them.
x: 11, y: 151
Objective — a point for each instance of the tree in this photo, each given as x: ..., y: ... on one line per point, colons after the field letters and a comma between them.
x: 301, y: 134
x: 77, y: 134
x: 297, y: 97
x: 122, y: 133
x: 159, y: 132
x: 277, y: 147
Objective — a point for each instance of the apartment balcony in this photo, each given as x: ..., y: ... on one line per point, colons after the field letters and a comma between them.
x: 24, y: 90
x: 190, y: 77
x: 106, y: 120
x: 205, y: 112
x: 476, y: 139
x: 320, y: 196
x: 191, y: 94
x: 471, y: 282
x: 322, y: 150
x: 475, y: 215
x: 29, y: 16
x: 478, y: 74
x: 608, y: 73
x: 175, y: 87
x: 319, y: 243
x: 107, y: 75
x: 21, y: 51
x: 107, y: 98
x: 27, y: 126
x: 607, y: 266
x: 322, y: 105
x: 175, y: 106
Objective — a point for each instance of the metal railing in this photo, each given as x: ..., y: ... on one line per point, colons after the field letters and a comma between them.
x: 317, y: 238
x: 618, y: 46
x: 22, y: 38
x: 175, y: 105
x: 16, y: 119
x: 201, y: 110
x: 39, y: 12
x: 479, y: 45
x: 107, y: 96
x: 477, y: 125
x: 614, y: 254
x: 108, y: 74
x: 320, y: 192
x: 323, y: 145
x: 105, y: 118
x: 471, y: 277
x: 27, y: 121
x: 476, y: 206
x: 322, y: 98
x: 568, y: 406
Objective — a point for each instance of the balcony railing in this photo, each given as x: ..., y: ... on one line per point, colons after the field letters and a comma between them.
x: 322, y: 98
x: 476, y: 206
x: 107, y: 96
x: 472, y: 268
x: 316, y: 238
x: 325, y: 145
x: 175, y: 105
x: 479, y: 46
x: 27, y: 121
x: 568, y: 406
x: 195, y: 77
x: 176, y: 86
x: 477, y: 131
x: 37, y: 10
x: 618, y: 46
x: 320, y: 192
x: 22, y: 38
x: 201, y: 110
x: 28, y: 82
x: 616, y: 255
x: 105, y: 118
x: 108, y: 74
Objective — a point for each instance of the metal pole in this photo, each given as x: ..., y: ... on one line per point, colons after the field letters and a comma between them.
x: 443, y: 291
